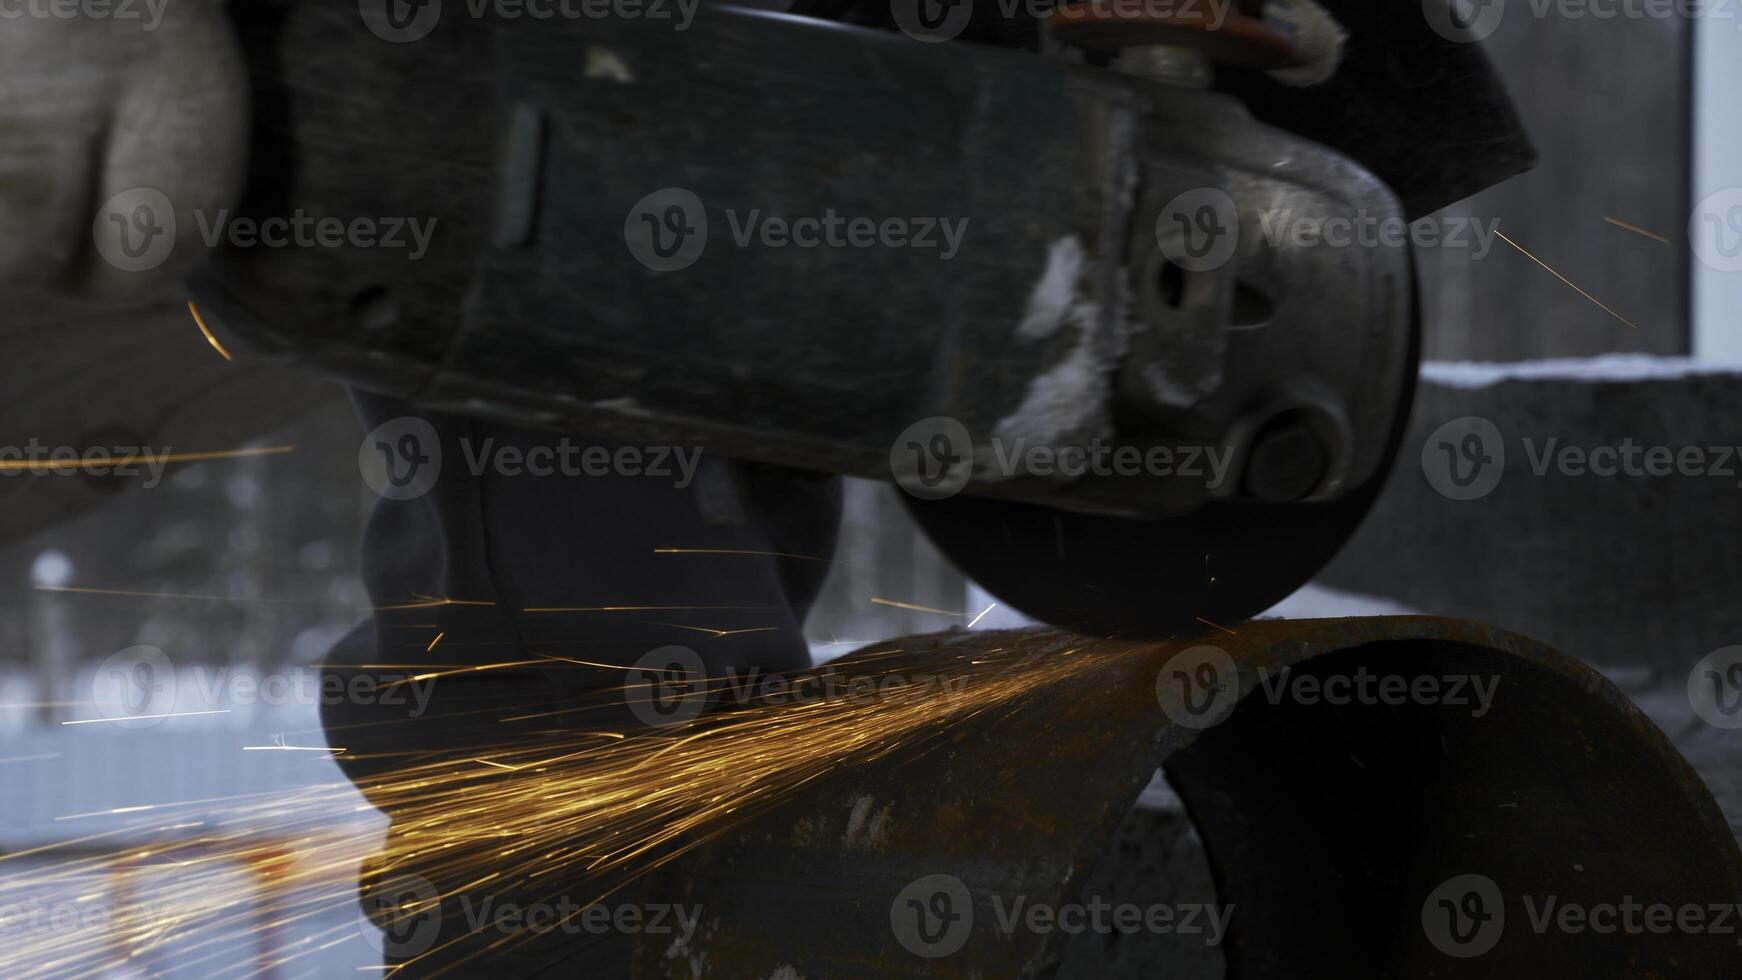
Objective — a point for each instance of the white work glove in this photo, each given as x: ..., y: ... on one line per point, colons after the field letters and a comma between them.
x: 111, y: 113
x: 98, y: 118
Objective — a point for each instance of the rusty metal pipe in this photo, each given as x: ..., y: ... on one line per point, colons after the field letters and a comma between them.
x: 1333, y: 830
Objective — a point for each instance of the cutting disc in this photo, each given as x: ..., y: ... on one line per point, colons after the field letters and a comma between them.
x: 1113, y: 576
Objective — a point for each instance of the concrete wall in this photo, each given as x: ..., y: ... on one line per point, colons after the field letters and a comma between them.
x: 1622, y: 569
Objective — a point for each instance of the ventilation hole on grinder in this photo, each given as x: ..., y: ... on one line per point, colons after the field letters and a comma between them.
x: 1251, y: 308
x: 1170, y: 283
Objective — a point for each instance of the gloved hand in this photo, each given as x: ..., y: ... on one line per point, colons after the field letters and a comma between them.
x: 117, y: 123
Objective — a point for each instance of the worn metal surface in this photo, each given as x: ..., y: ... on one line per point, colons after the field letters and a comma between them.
x: 1424, y: 111
x: 1054, y: 322
x: 1328, y: 827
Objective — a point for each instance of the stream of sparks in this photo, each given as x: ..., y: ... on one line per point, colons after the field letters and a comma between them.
x: 605, y: 807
